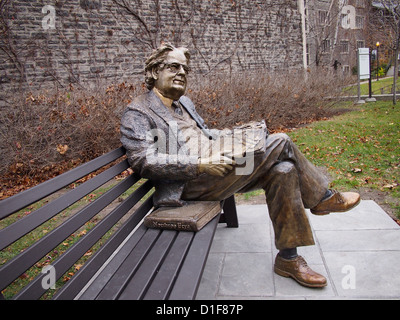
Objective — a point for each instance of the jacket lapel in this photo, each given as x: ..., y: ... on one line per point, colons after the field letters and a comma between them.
x: 155, y: 104
x: 169, y: 123
x: 189, y: 107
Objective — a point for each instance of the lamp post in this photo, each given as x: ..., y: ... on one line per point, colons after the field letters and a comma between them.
x: 370, y: 78
x: 377, y: 61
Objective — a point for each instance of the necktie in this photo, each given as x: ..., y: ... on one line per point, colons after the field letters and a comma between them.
x: 177, y: 108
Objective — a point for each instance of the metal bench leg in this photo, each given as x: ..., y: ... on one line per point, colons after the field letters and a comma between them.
x: 230, y: 214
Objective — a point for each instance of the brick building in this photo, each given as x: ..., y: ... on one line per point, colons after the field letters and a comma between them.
x: 335, y: 30
x: 54, y: 43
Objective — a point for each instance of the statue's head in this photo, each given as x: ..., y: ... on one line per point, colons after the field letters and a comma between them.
x: 167, y: 69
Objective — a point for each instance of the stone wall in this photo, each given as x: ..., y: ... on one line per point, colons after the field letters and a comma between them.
x: 86, y: 42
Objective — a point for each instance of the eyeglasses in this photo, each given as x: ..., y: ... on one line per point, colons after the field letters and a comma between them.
x: 175, y: 67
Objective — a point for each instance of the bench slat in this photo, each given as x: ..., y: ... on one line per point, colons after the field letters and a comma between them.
x: 150, y: 273
x: 34, y: 253
x: 188, y: 280
x: 34, y: 194
x: 165, y: 277
x: 138, y: 284
x: 128, y: 268
x: 134, y: 263
x: 68, y: 259
x: 25, y: 225
x: 112, y: 265
x: 73, y: 287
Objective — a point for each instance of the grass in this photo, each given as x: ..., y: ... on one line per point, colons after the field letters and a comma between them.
x: 377, y: 86
x: 359, y: 149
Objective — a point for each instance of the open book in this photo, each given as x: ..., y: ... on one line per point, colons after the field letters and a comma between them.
x: 241, y: 141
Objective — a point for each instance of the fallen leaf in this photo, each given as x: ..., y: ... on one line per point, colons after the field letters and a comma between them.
x: 390, y: 186
x: 78, y: 266
x: 82, y: 233
x: 62, y: 149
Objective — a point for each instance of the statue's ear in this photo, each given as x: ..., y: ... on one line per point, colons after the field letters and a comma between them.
x: 155, y: 72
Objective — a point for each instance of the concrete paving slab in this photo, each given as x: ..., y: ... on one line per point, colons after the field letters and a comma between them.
x: 359, y: 240
x: 253, y: 214
x: 246, y: 238
x: 367, y: 215
x: 257, y: 281
x: 368, y: 274
x: 211, y: 277
x: 357, y: 251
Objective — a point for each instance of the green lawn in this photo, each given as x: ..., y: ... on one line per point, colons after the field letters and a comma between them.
x: 359, y: 149
x: 384, y: 84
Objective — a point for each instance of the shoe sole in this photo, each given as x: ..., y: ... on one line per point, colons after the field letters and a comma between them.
x: 305, y: 284
x: 324, y: 213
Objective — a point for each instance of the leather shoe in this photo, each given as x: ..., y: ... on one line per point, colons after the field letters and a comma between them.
x: 298, y: 269
x: 337, y: 202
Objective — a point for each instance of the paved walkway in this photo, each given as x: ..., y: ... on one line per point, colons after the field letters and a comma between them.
x: 358, y: 251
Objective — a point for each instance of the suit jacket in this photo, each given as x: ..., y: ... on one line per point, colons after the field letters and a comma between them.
x: 146, y: 114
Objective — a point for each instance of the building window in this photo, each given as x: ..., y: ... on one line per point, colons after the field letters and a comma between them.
x: 360, y: 3
x: 326, y: 45
x: 360, y: 22
x: 360, y: 44
x: 344, y: 46
x: 345, y: 19
x: 322, y: 17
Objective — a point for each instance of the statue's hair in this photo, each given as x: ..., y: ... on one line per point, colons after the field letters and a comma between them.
x: 156, y: 58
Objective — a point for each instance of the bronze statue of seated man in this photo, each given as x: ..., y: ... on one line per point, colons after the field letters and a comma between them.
x: 161, y: 131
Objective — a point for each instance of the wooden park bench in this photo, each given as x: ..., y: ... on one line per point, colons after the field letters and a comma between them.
x: 130, y: 261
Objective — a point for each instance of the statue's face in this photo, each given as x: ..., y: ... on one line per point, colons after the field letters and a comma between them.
x: 171, y: 76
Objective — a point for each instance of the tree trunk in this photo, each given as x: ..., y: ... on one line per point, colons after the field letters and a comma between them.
x: 396, y: 73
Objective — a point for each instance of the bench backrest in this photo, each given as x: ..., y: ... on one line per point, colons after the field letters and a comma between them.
x: 48, y: 235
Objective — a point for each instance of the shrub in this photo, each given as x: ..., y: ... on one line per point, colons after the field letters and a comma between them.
x: 47, y: 133
x: 283, y: 101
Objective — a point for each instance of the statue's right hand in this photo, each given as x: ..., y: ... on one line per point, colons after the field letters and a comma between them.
x: 216, y: 166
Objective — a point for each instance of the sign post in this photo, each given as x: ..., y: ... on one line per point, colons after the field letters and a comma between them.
x: 370, y: 98
x: 363, y: 69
